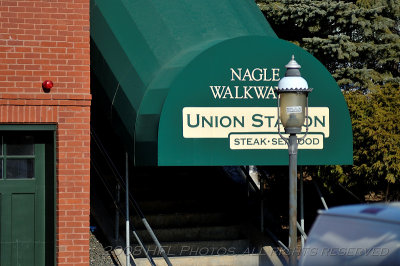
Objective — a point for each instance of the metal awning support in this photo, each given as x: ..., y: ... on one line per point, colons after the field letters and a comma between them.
x: 302, y: 206
x: 128, y: 247
x: 320, y: 195
x: 118, y: 198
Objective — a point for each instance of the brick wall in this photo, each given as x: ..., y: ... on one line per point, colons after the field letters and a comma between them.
x: 49, y: 39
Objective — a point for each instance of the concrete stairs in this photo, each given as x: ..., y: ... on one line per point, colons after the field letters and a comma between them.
x: 199, y: 214
x: 193, y: 212
x: 198, y: 233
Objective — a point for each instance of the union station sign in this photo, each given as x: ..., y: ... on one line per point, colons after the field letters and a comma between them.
x: 222, y: 109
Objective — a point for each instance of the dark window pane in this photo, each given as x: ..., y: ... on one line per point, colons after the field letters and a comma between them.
x: 20, y: 168
x: 20, y: 145
x: 1, y: 168
x: 1, y: 145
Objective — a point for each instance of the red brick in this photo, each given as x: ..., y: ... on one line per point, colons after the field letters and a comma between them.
x: 34, y: 47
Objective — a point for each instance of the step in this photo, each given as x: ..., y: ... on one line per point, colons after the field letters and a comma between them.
x: 223, y: 260
x: 189, y: 181
x: 181, y: 190
x: 197, y: 248
x: 172, y: 206
x: 178, y: 172
x: 188, y: 205
x: 194, y: 233
x: 175, y: 220
x: 266, y: 257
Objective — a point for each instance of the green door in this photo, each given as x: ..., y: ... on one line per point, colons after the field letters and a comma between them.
x: 22, y: 198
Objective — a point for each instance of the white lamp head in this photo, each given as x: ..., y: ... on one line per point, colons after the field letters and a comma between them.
x: 293, y: 92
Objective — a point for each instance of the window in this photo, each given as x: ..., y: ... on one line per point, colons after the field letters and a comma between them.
x: 17, y: 156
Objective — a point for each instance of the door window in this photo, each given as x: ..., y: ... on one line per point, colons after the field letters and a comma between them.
x: 17, y: 157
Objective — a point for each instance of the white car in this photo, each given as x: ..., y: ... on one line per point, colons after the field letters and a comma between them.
x: 364, y: 234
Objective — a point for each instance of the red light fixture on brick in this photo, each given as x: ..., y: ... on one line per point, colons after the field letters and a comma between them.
x: 47, y: 85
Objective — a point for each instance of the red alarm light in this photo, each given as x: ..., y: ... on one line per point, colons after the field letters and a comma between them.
x: 47, y: 85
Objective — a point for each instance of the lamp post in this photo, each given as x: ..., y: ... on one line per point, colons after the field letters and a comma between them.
x: 292, y: 110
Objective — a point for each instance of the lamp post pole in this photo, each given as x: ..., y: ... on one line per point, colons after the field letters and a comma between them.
x: 293, y: 146
x: 292, y: 110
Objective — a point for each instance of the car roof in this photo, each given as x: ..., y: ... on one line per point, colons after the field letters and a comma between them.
x: 384, y: 212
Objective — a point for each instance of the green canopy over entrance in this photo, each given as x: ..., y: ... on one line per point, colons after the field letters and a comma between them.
x: 191, y: 83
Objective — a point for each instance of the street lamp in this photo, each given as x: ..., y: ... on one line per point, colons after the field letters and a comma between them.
x: 292, y: 110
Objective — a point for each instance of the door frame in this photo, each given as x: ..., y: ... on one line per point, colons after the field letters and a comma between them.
x: 50, y: 179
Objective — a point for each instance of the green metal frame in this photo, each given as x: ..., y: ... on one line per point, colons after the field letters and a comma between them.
x: 28, y: 127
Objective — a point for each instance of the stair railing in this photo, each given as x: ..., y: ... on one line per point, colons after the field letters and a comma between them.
x: 121, y: 211
x: 259, y: 192
x: 132, y: 201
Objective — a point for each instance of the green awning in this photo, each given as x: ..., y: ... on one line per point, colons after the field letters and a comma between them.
x: 154, y: 62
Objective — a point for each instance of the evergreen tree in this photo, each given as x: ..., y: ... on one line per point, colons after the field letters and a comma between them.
x: 358, y: 41
x: 376, y: 133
